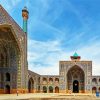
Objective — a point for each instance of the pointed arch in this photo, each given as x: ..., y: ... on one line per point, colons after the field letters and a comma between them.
x: 44, y: 89
x: 76, y: 73
x: 31, y: 85
x: 50, y: 89
x: 94, y: 81
x: 56, y: 89
x: 94, y: 89
x: 7, y: 89
x: 7, y: 76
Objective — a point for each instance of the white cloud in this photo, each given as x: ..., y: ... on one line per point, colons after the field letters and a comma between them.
x: 44, y: 57
x: 51, y: 70
x: 9, y: 5
x: 42, y: 51
x: 15, y: 2
x: 92, y: 52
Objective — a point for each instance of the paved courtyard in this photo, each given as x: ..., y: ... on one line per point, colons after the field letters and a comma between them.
x: 48, y: 96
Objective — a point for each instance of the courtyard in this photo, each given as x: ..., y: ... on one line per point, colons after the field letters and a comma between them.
x: 49, y: 96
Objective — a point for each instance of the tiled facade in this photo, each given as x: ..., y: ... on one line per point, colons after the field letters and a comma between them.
x: 74, y: 75
x: 13, y: 55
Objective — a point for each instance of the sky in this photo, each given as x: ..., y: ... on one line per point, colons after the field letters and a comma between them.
x: 57, y: 29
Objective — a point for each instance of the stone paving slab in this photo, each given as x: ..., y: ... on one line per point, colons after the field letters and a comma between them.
x: 48, y: 96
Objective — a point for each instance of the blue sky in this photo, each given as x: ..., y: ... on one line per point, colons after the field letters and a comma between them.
x: 57, y: 29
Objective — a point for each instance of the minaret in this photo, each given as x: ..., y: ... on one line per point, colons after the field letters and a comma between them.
x: 25, y: 18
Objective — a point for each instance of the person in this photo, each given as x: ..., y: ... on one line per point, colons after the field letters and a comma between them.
x: 17, y: 92
x: 70, y: 92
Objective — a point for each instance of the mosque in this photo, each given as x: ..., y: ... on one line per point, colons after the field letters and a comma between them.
x: 75, y: 76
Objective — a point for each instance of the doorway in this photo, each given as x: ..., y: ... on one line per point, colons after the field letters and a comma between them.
x: 75, y: 86
x: 56, y: 89
x: 31, y: 85
x: 44, y: 89
x: 7, y: 89
x: 50, y: 89
x: 75, y: 75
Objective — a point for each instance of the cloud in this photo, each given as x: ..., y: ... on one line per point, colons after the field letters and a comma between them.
x: 51, y: 70
x: 64, y: 29
x: 9, y: 5
x: 15, y: 2
x: 92, y: 52
x: 40, y: 50
x: 44, y: 57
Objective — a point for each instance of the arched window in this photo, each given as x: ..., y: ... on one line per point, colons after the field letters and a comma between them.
x: 44, y: 80
x: 56, y: 89
x: 94, y: 80
x: 44, y: 89
x: 7, y: 77
x: 50, y: 89
x: 50, y: 80
x: 94, y: 89
x: 56, y: 79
